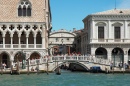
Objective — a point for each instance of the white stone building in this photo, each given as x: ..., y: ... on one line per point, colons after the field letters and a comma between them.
x: 109, y: 35
x: 24, y: 27
x: 62, y: 42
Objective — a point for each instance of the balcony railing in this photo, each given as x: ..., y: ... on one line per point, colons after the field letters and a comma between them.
x: 21, y: 46
x: 101, y: 40
x: 117, y: 40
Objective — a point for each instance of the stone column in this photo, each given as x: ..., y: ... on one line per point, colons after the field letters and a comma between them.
x: 3, y: 42
x: 11, y: 66
x: 43, y: 42
x: 109, y: 29
x: 92, y: 30
x: 126, y: 30
x: 43, y: 38
x: 125, y: 55
x: 109, y: 56
x: 11, y: 42
x: 34, y: 42
x: 27, y: 42
x: 19, y: 42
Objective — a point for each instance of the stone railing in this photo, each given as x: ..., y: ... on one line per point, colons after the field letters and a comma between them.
x: 82, y: 58
x: 20, y: 46
x: 90, y: 59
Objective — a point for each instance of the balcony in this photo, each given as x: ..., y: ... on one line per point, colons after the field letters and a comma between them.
x: 21, y: 46
x: 101, y: 40
x: 117, y: 40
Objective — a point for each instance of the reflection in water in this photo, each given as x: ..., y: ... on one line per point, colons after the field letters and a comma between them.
x: 66, y: 78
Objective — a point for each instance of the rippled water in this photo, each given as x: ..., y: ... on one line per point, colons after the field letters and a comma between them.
x: 66, y: 79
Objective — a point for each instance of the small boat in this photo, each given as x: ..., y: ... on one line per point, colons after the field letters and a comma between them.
x: 58, y: 71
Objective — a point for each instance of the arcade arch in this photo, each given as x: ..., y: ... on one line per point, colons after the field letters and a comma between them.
x: 117, y: 56
x: 101, y: 53
x: 4, y: 58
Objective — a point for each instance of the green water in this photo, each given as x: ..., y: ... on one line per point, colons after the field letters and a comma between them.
x: 66, y: 79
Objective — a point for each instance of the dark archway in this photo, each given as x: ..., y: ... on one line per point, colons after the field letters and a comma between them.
x: 34, y: 55
x: 5, y: 59
x: 129, y: 56
x: 117, y: 56
x: 101, y: 53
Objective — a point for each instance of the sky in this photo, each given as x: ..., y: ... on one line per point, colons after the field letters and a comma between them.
x: 68, y: 14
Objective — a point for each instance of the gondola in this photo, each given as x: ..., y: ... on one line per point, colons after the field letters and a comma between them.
x: 58, y: 71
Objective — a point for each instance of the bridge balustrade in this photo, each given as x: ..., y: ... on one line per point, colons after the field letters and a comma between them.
x: 58, y: 58
x: 33, y: 62
x: 78, y: 58
x: 63, y: 58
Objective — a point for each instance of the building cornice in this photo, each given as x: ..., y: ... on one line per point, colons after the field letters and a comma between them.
x: 110, y: 17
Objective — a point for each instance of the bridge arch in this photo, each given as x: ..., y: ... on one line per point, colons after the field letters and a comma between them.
x: 72, y: 64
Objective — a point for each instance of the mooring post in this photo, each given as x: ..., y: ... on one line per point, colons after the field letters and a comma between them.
x: 11, y: 67
x: 37, y: 68
x: 18, y: 66
x: 1, y: 69
x: 47, y: 67
x: 28, y: 66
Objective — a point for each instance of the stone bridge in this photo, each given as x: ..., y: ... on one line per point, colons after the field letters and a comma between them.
x: 50, y: 63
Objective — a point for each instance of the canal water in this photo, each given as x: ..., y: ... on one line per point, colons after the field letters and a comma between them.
x: 65, y: 79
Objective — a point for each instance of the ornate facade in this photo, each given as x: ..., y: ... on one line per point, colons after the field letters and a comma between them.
x: 24, y: 27
x: 109, y: 35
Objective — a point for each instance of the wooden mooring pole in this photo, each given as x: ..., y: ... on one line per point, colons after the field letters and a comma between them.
x: 1, y: 67
x: 47, y: 67
x: 27, y: 66
x: 11, y: 67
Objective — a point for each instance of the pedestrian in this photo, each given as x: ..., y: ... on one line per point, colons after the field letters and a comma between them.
x: 37, y: 69
x: 4, y: 66
x: 111, y: 66
x: 32, y: 69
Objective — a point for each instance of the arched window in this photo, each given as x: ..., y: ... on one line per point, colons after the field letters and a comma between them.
x: 29, y: 11
x: 20, y: 11
x: 101, y: 26
x: 24, y: 8
x: 24, y: 11
x: 101, y: 32
x: 117, y: 30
